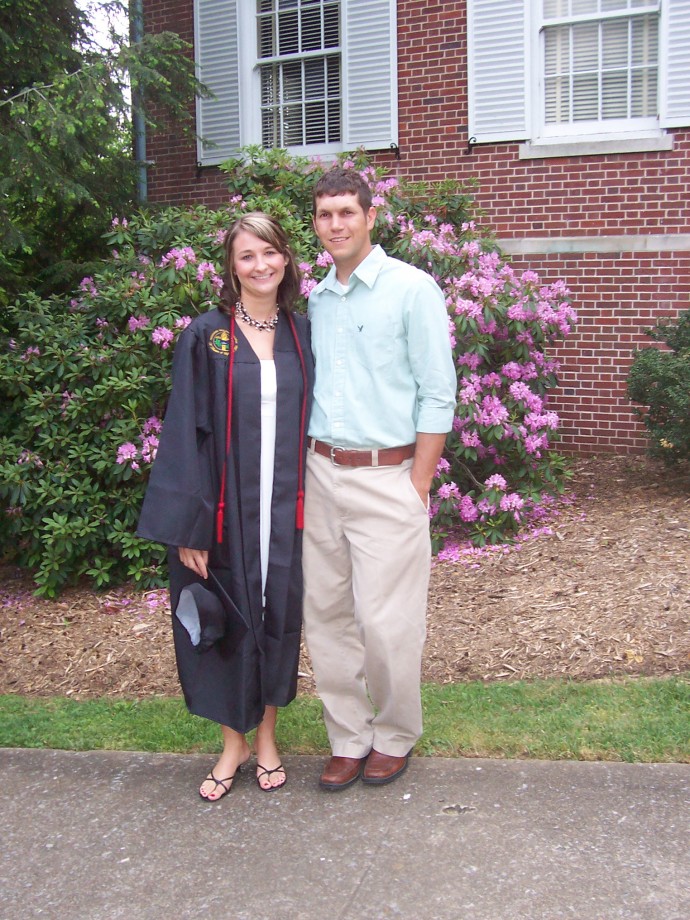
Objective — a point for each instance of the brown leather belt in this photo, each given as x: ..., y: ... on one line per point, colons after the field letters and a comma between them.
x: 341, y: 456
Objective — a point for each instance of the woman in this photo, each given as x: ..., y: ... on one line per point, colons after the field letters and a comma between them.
x: 227, y: 499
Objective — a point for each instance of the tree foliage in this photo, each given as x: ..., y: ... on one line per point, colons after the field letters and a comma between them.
x: 66, y: 161
x: 85, y: 379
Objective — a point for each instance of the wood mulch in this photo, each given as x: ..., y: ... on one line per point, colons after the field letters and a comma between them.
x: 601, y: 591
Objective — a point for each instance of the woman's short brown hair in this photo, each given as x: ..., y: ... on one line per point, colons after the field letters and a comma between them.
x: 270, y: 231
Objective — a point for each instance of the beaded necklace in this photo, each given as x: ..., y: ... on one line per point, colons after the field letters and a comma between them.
x: 266, y: 326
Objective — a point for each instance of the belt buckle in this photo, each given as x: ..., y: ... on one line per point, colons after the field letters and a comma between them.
x: 333, y: 450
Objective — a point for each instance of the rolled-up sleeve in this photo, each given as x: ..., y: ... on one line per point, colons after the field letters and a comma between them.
x: 431, y: 358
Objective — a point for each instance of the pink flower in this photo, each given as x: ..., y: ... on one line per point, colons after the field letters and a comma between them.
x: 137, y: 322
x: 442, y: 466
x: 183, y: 322
x: 149, y: 447
x: 87, y: 285
x: 493, y: 412
x: 470, y: 439
x: 468, y: 393
x: 512, y: 370
x: 162, y: 336
x: 179, y: 257
x: 307, y: 285
x: 469, y: 308
x: 470, y: 359
x: 125, y: 452
x: 511, y: 502
x: 31, y: 351
x: 152, y: 425
x: 496, y: 482
x: 533, y: 443
x: 467, y: 509
x: 208, y: 268
x: 448, y: 490
x: 27, y: 456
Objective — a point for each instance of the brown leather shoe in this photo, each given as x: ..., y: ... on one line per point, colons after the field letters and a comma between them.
x: 382, y: 768
x: 341, y: 772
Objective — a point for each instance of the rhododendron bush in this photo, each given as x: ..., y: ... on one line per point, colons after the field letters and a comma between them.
x: 84, y: 379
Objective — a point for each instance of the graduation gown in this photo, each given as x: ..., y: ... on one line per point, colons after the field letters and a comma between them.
x: 232, y: 687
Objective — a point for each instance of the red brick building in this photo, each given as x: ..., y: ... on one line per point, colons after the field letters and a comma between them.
x: 572, y: 115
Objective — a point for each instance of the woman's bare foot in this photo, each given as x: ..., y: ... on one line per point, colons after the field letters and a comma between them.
x: 236, y: 752
x: 270, y: 773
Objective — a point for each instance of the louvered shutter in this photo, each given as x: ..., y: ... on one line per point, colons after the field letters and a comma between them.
x: 370, y: 69
x: 676, y: 108
x: 497, y: 70
x: 217, y: 57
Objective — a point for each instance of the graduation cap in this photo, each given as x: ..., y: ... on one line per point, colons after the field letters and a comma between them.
x: 210, y: 615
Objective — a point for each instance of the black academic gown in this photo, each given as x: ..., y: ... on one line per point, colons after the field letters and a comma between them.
x: 232, y: 687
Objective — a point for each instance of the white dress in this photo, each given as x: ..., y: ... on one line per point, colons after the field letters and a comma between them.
x: 269, y: 392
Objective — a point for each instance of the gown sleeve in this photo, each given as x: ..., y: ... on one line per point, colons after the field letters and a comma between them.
x: 179, y: 504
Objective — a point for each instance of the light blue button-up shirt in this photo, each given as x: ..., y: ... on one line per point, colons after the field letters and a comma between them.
x: 384, y: 365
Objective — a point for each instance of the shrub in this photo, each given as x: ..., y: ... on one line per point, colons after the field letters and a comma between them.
x: 659, y: 380
x: 85, y: 387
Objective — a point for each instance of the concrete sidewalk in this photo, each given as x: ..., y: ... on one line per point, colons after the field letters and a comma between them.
x: 108, y: 835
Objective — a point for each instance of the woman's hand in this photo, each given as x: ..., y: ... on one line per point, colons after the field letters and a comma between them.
x: 194, y: 559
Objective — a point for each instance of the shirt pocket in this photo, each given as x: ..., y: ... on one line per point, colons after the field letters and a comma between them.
x: 377, y: 339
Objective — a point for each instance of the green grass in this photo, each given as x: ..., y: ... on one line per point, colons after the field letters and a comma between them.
x: 634, y: 719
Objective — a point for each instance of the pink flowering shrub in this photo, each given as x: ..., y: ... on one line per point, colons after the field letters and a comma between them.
x: 501, y: 324
x: 83, y: 386
x: 84, y: 379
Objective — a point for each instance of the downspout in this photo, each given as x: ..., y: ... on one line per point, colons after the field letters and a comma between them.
x: 136, y: 31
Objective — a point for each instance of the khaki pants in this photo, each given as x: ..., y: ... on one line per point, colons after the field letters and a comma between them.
x: 367, y: 556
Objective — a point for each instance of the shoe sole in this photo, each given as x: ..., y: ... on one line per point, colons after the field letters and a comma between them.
x: 384, y: 780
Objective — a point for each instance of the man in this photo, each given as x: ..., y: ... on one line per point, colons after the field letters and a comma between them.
x: 383, y: 403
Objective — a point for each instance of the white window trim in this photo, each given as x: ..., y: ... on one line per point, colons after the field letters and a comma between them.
x: 622, y: 136
x: 250, y: 88
x: 534, y: 150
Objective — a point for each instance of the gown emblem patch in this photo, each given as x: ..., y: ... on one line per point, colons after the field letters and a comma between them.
x: 219, y: 342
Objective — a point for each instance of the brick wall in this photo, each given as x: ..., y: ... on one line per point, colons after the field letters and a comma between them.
x: 617, y: 295
x: 616, y: 298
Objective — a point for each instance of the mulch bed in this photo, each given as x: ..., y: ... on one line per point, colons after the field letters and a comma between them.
x: 602, y: 591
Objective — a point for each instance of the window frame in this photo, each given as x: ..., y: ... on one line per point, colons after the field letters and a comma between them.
x: 594, y: 131
x: 250, y: 84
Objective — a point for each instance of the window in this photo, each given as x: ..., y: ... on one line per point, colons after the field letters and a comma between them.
x: 299, y: 64
x: 578, y: 72
x: 315, y: 76
x: 600, y: 65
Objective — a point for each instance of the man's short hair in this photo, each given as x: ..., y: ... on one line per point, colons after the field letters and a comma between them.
x: 339, y: 181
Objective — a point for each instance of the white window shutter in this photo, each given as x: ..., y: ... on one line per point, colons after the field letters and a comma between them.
x: 370, y: 74
x: 217, y: 58
x: 497, y: 65
x: 676, y: 105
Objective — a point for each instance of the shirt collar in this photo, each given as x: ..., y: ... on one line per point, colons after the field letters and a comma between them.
x: 367, y: 272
